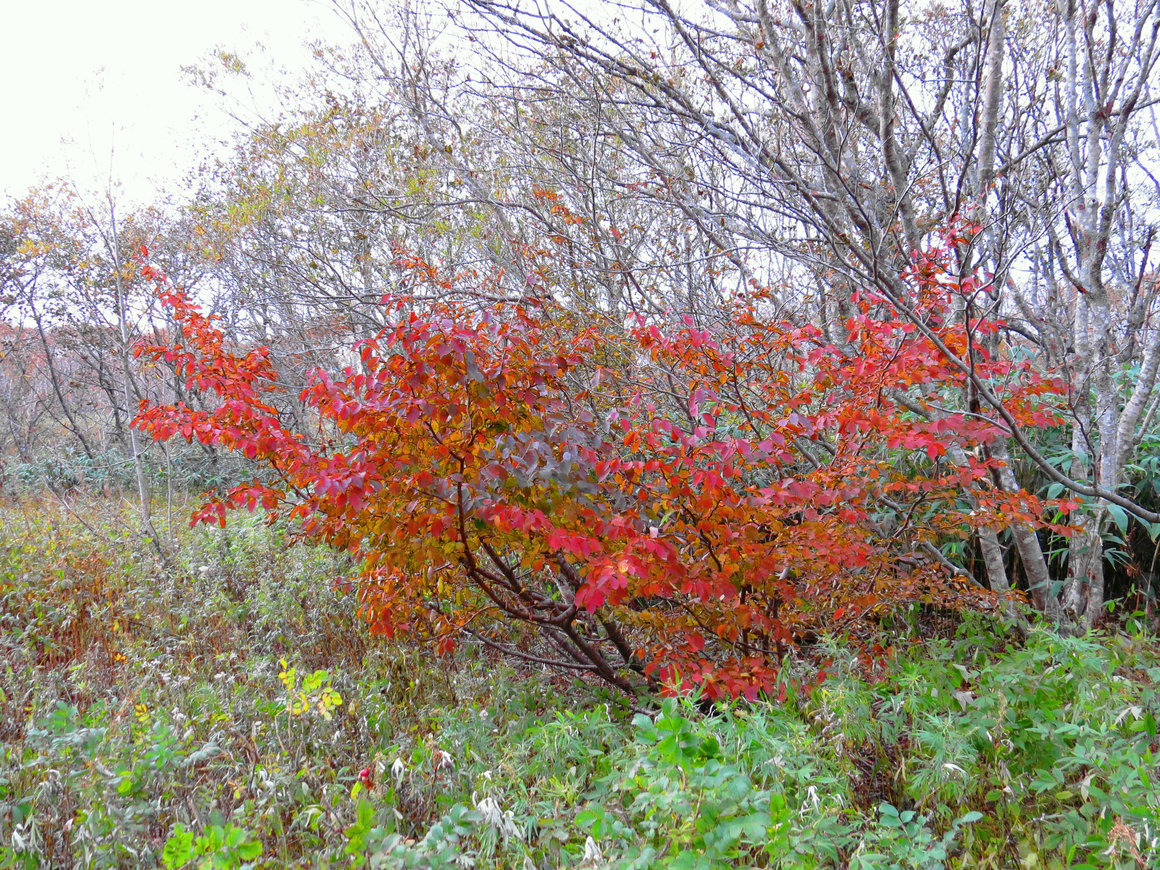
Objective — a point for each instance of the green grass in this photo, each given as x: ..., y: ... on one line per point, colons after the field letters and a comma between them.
x: 216, y: 711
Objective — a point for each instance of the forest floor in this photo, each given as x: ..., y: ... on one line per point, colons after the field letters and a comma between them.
x: 228, y: 709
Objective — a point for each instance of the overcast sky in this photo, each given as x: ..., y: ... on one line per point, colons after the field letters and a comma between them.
x: 95, y: 86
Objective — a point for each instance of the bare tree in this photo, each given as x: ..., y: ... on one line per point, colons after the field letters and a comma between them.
x: 77, y: 305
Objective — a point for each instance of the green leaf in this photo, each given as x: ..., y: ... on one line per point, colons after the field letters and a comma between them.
x: 250, y: 850
x: 178, y: 849
x: 1119, y: 517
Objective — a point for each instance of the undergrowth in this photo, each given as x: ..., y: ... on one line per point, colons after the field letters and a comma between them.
x: 225, y: 708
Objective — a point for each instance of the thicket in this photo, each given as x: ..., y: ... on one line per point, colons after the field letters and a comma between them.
x: 665, y: 168
x: 796, y: 368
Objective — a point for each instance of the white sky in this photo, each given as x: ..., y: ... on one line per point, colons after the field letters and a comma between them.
x: 93, y: 89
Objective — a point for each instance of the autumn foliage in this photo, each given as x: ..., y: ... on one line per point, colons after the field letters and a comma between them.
x: 667, y: 501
